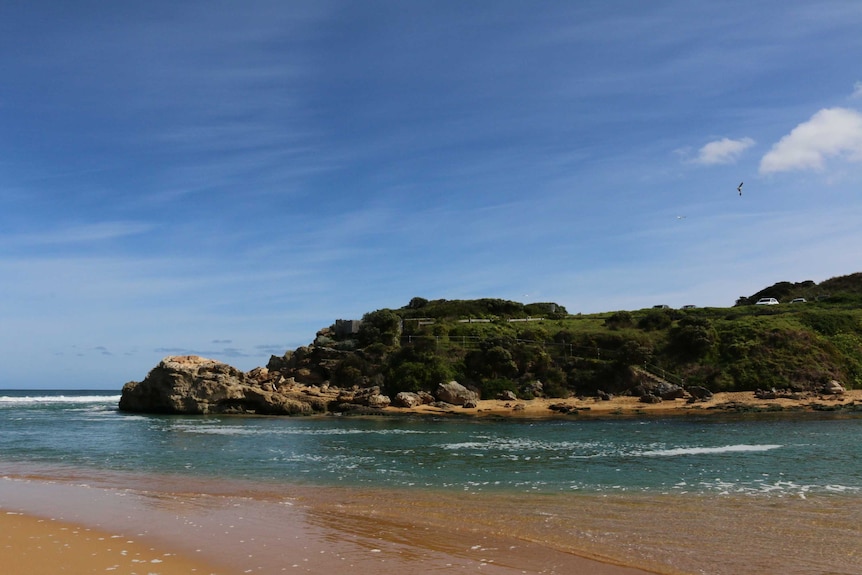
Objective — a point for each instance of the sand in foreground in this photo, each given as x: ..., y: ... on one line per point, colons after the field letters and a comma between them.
x: 31, y: 545
x: 237, y: 532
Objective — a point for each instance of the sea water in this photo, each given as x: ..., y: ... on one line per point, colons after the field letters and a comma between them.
x: 779, y: 456
x: 654, y: 487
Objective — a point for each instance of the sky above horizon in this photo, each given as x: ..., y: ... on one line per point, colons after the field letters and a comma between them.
x: 225, y: 178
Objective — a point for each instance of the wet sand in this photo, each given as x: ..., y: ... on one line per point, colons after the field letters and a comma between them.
x: 229, y: 528
x: 174, y: 526
x: 33, y: 545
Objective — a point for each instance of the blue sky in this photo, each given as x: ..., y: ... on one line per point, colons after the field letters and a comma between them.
x: 226, y: 178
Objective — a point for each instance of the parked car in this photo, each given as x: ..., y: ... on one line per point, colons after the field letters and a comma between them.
x: 661, y: 306
x: 798, y: 300
x: 767, y: 301
x: 688, y: 306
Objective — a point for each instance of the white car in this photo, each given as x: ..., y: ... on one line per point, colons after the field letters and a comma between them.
x: 767, y: 301
x: 799, y: 300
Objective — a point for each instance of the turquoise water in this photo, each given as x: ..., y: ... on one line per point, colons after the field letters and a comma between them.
x: 776, y: 456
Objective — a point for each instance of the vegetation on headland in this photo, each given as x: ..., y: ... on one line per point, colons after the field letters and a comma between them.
x: 494, y: 345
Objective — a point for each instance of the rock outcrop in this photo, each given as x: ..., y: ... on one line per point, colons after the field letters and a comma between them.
x: 456, y: 394
x: 190, y: 384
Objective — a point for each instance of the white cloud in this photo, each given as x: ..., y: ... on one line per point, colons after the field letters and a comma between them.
x: 831, y: 132
x: 724, y: 151
x: 105, y: 231
x: 857, y: 90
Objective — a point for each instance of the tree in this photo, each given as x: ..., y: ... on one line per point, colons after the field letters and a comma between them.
x: 381, y: 326
x: 693, y: 338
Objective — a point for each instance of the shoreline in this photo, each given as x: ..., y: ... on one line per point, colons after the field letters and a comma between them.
x: 233, y: 527
x: 722, y: 403
x: 228, y: 528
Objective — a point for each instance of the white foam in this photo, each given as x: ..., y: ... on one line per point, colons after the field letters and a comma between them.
x: 740, y: 448
x: 44, y: 399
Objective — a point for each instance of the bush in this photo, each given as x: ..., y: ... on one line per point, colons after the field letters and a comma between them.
x: 620, y: 319
x: 655, y: 319
x: 693, y: 339
x: 491, y: 388
x: 830, y: 322
x: 381, y: 326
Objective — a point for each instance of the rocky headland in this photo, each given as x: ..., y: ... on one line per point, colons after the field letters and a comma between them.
x: 491, y: 356
x: 190, y: 384
x: 195, y: 385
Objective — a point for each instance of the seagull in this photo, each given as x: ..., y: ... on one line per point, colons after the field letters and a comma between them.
x: 739, y: 188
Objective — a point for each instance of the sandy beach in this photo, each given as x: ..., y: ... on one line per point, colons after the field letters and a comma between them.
x: 628, y: 406
x: 34, y: 545
x: 64, y: 527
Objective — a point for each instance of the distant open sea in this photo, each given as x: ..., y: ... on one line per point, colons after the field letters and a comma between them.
x: 796, y: 479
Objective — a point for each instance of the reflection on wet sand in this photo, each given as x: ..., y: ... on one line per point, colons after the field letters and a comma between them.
x: 256, y: 527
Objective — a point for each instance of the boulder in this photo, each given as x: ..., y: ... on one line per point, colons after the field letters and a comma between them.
x: 699, y: 393
x: 190, y: 384
x: 379, y: 401
x: 669, y: 391
x: 455, y: 393
x: 534, y: 389
x: 407, y: 399
x: 834, y: 388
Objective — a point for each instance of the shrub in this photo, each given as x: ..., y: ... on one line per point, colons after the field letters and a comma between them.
x: 655, y: 319
x: 620, y: 319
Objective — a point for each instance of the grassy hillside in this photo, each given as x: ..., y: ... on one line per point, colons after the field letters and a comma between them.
x: 494, y: 345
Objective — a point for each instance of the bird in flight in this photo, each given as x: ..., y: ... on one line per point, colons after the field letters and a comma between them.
x: 739, y: 188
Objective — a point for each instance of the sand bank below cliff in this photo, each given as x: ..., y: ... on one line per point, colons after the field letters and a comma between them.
x: 621, y: 406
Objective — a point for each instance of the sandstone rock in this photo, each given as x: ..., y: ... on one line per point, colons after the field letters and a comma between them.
x: 507, y: 395
x: 191, y: 384
x: 455, y: 393
x: 699, y: 393
x: 534, y: 388
x: 650, y: 398
x: 669, y: 391
x: 834, y: 388
x: 407, y: 399
x: 379, y: 401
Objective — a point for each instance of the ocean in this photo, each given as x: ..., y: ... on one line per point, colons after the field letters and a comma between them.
x: 709, y: 494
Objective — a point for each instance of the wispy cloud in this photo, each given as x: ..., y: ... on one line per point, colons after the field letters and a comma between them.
x: 723, y: 151
x: 831, y: 132
x: 77, y: 234
x: 857, y: 90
